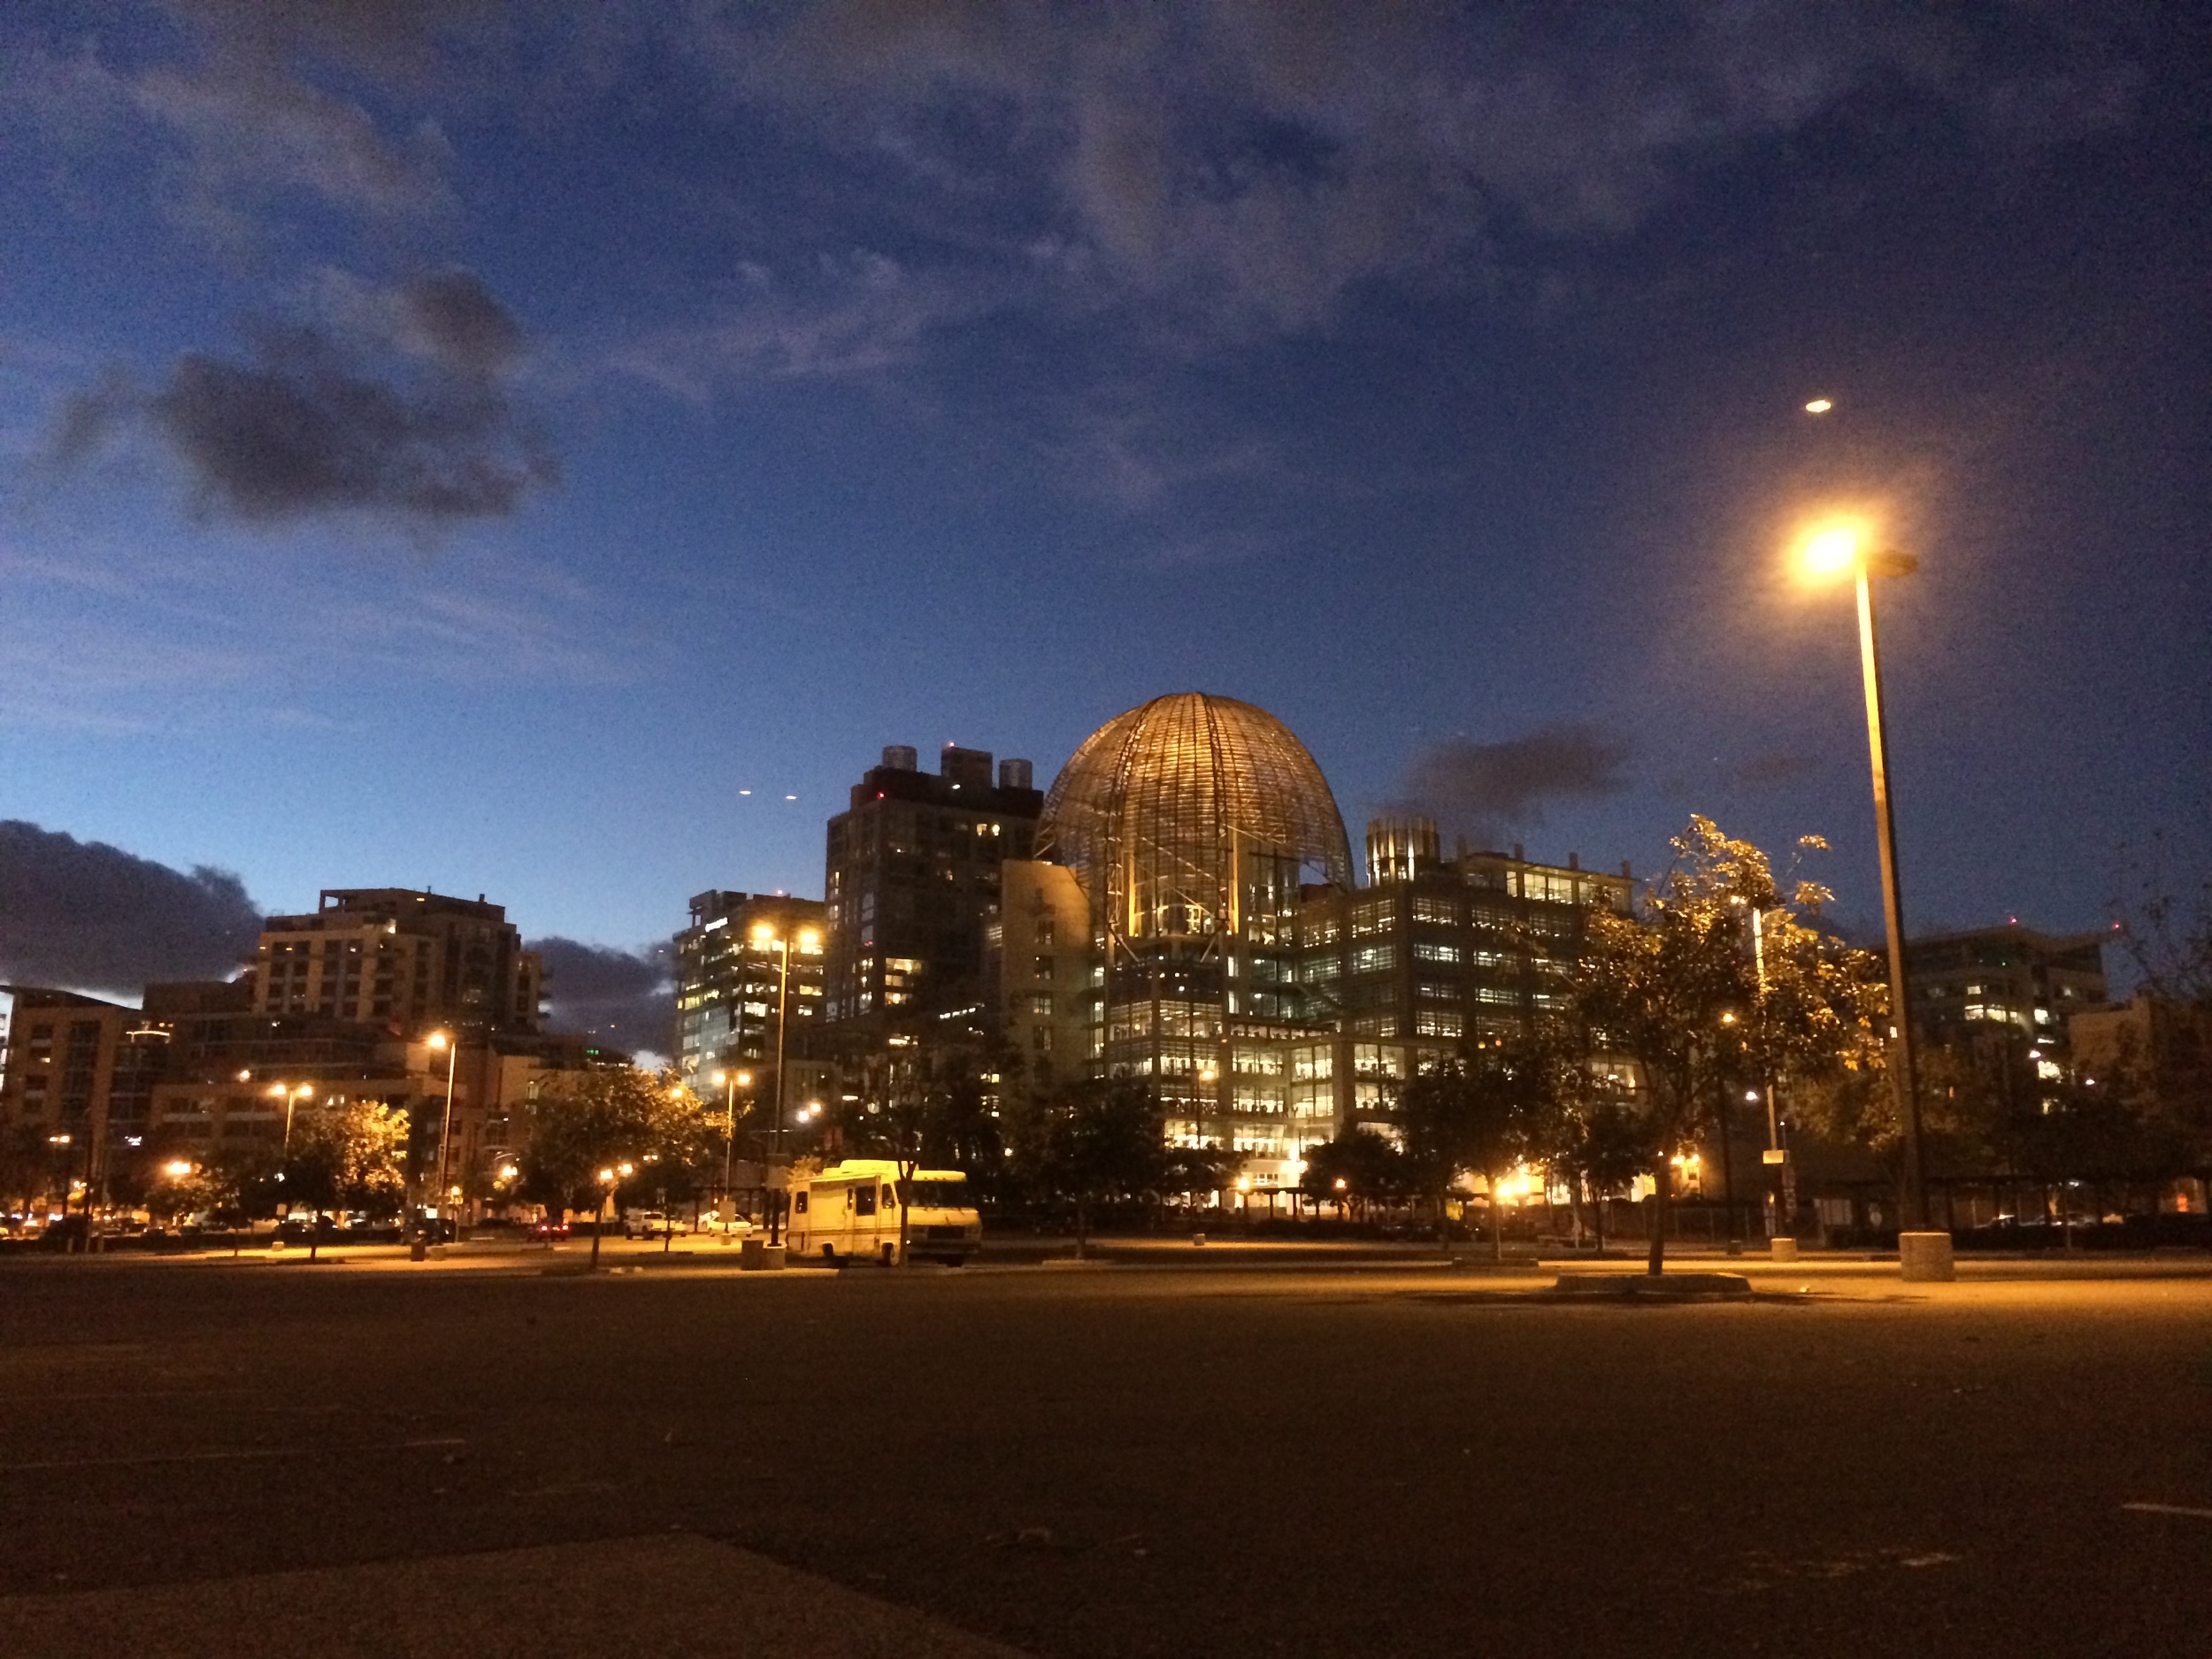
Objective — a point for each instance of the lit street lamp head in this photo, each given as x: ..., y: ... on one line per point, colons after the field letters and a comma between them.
x: 1845, y: 548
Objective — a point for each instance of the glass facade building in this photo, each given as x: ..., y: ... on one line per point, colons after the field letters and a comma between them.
x: 1194, y: 824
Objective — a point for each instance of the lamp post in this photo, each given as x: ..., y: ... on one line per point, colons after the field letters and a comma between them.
x: 729, y: 1081
x: 291, y: 1095
x: 452, y: 1047
x: 1834, y: 551
x: 764, y: 933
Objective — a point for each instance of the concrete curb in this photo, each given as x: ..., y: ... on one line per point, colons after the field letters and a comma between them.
x: 1653, y: 1287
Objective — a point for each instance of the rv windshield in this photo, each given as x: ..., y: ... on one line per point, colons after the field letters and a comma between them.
x: 934, y: 1194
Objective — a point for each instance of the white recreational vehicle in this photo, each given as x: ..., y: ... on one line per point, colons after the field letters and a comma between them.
x: 851, y: 1210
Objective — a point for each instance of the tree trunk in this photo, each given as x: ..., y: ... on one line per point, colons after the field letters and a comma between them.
x: 1497, y: 1221
x: 598, y: 1227
x: 1444, y: 1222
x: 1662, y: 1182
x: 1082, y: 1230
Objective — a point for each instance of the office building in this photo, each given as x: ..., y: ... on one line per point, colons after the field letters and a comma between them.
x: 1432, y: 954
x: 730, y: 966
x: 2010, y: 980
x: 1039, y: 961
x: 1194, y: 824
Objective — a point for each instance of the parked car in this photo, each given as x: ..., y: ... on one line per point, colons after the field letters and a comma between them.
x: 651, y: 1223
x: 548, y: 1229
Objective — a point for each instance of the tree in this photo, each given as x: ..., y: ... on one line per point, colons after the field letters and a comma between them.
x: 1475, y: 1113
x: 1356, y: 1168
x: 1675, y: 986
x: 590, y: 1124
x: 1606, y: 1147
x: 1096, y: 1142
x: 26, y: 1162
x: 351, y: 1155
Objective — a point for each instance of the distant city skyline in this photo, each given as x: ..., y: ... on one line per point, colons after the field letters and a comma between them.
x: 549, y: 455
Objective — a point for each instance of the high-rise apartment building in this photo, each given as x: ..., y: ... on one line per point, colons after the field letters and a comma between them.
x: 730, y: 980
x: 405, y: 960
x: 912, y: 883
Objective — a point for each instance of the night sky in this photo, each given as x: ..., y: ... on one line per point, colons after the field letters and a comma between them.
x: 468, y: 446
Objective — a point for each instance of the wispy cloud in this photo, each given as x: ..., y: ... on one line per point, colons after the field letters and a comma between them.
x: 851, y: 316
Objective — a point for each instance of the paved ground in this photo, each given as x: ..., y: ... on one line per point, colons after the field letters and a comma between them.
x: 1249, y: 1458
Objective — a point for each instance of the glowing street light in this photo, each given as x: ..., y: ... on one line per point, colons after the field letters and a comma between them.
x: 1831, y: 551
x: 177, y: 1169
x: 451, y: 1044
x: 766, y: 934
x: 729, y: 1080
x: 291, y: 1095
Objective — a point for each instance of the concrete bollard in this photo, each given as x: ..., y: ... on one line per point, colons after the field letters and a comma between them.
x: 1783, y: 1250
x: 1926, y: 1255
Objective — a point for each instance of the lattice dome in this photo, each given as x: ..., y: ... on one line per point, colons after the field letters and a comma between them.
x: 1193, y: 816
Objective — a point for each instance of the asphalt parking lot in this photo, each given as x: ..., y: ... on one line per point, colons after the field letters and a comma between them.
x: 1154, y: 1456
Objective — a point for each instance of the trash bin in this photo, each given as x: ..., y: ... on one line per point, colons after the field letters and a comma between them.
x: 418, y: 1248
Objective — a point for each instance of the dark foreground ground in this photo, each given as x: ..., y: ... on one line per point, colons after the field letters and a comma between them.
x: 1236, y: 1459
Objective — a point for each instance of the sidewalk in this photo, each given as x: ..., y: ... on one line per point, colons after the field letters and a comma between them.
x: 675, y: 1594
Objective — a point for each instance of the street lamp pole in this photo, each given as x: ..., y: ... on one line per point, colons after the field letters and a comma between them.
x: 1831, y: 552
x: 1785, y: 1217
x: 1904, y: 1079
x: 452, y: 1047
x: 764, y: 934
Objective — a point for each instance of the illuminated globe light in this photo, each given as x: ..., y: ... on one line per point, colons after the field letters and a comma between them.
x: 1820, y: 406
x: 1832, y: 551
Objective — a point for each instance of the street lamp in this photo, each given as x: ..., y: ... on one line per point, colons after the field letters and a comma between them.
x: 291, y: 1095
x: 764, y: 933
x: 452, y: 1047
x: 1829, y: 552
x: 729, y: 1080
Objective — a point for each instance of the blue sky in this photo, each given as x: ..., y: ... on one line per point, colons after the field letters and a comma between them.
x: 460, y: 445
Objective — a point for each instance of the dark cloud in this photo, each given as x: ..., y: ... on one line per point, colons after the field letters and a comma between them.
x: 401, y: 410
x: 624, y: 998
x: 457, y: 321
x: 84, y: 915
x: 1488, y: 790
